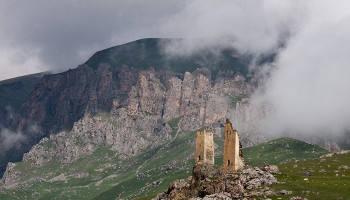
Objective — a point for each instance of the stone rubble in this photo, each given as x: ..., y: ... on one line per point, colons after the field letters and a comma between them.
x: 208, y: 183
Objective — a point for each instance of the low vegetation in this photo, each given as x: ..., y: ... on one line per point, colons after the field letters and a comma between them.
x: 324, y: 178
x: 103, y: 175
x: 281, y: 150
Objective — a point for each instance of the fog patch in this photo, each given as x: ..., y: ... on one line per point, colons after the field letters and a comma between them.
x: 9, y: 138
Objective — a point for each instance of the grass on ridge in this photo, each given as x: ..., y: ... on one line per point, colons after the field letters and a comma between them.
x: 144, y: 175
x: 321, y: 179
x: 281, y: 150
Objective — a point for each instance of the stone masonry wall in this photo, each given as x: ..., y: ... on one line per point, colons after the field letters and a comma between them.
x: 204, y: 147
x: 232, y: 160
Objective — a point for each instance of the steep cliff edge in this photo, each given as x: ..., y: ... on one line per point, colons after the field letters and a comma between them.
x: 138, y: 120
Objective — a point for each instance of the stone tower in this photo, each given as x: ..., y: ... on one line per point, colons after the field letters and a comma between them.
x: 204, y: 147
x: 233, y: 156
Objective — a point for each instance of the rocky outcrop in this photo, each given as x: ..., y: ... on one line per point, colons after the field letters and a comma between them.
x: 137, y: 110
x: 61, y: 99
x: 331, y: 146
x: 173, y: 99
x: 143, y: 117
x: 232, y: 83
x: 11, y: 176
x: 41, y: 153
x: 89, y: 133
x: 207, y: 182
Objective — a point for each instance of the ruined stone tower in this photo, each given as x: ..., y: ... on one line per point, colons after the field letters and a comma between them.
x: 204, y: 147
x: 233, y: 156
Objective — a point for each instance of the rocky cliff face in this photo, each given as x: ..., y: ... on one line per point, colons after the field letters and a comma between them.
x: 61, y: 99
x: 126, y: 110
x: 139, y: 119
x: 120, y: 81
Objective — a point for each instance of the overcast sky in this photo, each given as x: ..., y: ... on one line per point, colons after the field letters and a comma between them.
x: 310, y: 88
x: 41, y: 35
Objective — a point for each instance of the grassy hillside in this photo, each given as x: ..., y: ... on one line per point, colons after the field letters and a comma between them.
x: 323, y: 179
x: 108, y: 177
x: 104, y: 176
x: 281, y: 150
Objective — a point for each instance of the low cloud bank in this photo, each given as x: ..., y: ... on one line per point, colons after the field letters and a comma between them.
x: 308, y: 87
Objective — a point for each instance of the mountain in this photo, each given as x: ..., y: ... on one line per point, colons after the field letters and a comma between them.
x: 13, y: 93
x: 141, y: 87
x: 144, y: 53
x: 104, y: 175
x: 122, y: 124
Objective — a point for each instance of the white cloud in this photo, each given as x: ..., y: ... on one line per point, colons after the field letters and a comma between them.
x: 250, y: 26
x: 309, y: 90
x: 9, y: 138
x: 309, y: 87
x: 16, y: 62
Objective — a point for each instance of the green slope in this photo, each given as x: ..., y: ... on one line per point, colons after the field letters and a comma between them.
x: 322, y: 179
x: 145, y: 175
x: 281, y: 150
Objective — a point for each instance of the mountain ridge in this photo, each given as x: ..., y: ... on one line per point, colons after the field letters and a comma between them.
x: 59, y: 100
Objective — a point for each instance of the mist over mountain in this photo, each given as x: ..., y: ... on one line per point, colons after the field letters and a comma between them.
x: 275, y: 69
x: 110, y: 80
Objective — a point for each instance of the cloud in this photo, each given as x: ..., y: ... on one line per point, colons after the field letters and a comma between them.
x: 308, y: 84
x: 8, y: 139
x: 250, y: 26
x: 16, y: 62
x: 309, y: 88
x: 56, y: 35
